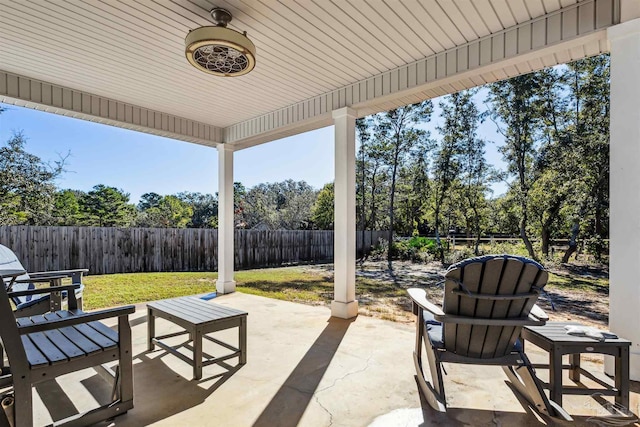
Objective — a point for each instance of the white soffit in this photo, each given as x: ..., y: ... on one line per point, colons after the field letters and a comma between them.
x: 312, y: 56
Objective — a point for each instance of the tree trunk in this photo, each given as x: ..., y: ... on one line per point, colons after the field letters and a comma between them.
x: 438, y: 241
x: 599, y: 228
x: 545, y: 233
x: 476, y: 217
x: 525, y: 238
x: 391, y: 201
x: 363, y: 215
x: 573, y: 242
x: 544, y: 236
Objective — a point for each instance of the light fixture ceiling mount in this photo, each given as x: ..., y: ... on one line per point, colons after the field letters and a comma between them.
x: 219, y: 50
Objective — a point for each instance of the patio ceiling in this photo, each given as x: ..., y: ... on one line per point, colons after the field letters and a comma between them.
x: 122, y: 62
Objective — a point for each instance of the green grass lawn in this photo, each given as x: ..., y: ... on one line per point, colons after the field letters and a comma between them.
x: 291, y: 284
x: 288, y: 283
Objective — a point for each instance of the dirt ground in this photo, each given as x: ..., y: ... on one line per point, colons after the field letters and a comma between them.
x: 587, y: 305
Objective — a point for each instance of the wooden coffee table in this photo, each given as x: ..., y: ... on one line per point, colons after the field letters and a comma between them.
x: 198, y: 318
x: 553, y: 338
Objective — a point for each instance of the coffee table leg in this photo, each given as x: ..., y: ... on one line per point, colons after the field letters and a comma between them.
x: 243, y: 340
x: 574, y: 361
x: 151, y: 329
x: 197, y: 353
x: 622, y: 377
x: 555, y: 375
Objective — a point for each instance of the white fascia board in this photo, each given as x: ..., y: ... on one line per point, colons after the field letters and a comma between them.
x: 31, y: 93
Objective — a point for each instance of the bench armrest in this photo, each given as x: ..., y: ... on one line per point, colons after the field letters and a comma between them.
x: 420, y: 299
x: 79, y: 318
x: 39, y: 291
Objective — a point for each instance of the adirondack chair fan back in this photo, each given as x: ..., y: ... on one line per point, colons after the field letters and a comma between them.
x: 489, y: 288
x: 28, y: 305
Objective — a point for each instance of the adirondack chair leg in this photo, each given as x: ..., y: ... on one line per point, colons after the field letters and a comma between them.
x: 525, y: 381
x: 433, y: 393
x: 115, y: 392
x: 23, y: 404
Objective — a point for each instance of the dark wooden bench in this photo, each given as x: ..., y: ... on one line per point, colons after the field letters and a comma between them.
x: 43, y: 347
x: 198, y: 318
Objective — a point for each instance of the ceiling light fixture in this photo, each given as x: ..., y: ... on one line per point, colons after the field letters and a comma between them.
x: 219, y: 50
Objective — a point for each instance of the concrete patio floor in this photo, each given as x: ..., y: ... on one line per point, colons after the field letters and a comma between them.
x: 305, y: 368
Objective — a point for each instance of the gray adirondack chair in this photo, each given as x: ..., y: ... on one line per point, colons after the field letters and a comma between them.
x: 39, y: 303
x: 487, y: 301
x: 43, y: 347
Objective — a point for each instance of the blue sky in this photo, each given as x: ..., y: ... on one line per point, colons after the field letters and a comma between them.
x: 139, y: 163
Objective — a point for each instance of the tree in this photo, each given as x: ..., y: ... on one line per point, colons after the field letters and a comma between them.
x: 27, y: 184
x: 295, y: 200
x: 149, y: 200
x: 284, y: 205
x: 204, y: 207
x: 107, y: 207
x: 413, y: 191
x: 396, y: 130
x: 475, y: 173
x: 323, y: 209
x: 362, y: 131
x: 446, y: 164
x: 168, y: 212
x: 516, y: 103
x: 589, y: 93
x: 66, y: 207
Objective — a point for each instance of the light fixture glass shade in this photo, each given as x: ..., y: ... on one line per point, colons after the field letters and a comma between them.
x: 220, y: 51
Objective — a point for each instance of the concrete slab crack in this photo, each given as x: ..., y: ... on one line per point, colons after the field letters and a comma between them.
x: 348, y: 374
x: 324, y: 409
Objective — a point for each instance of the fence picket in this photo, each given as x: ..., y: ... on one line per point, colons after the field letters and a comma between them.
x: 106, y: 250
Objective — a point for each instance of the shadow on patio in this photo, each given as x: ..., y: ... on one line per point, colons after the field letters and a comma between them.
x: 304, y: 370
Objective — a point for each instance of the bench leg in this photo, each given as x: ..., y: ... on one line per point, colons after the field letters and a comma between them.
x: 622, y: 377
x: 555, y: 375
x: 574, y: 361
x: 242, y: 336
x: 197, y: 353
x: 151, y: 329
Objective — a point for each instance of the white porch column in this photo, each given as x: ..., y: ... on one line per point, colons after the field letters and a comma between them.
x: 226, y: 226
x: 624, y: 223
x: 344, y: 304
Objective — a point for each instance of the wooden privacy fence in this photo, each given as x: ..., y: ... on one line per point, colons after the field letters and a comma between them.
x: 105, y: 250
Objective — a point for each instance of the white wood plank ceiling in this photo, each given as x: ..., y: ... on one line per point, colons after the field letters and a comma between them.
x: 132, y: 51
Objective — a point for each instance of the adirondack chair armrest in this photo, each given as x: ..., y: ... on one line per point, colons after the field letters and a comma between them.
x: 63, y: 273
x: 39, y: 279
x: 79, y: 318
x: 419, y: 299
x: 8, y: 275
x: 43, y: 290
x: 539, y: 313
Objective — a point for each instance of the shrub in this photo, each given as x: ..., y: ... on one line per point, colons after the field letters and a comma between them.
x: 459, y: 255
x: 379, y: 251
x: 420, y: 249
x: 513, y: 248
